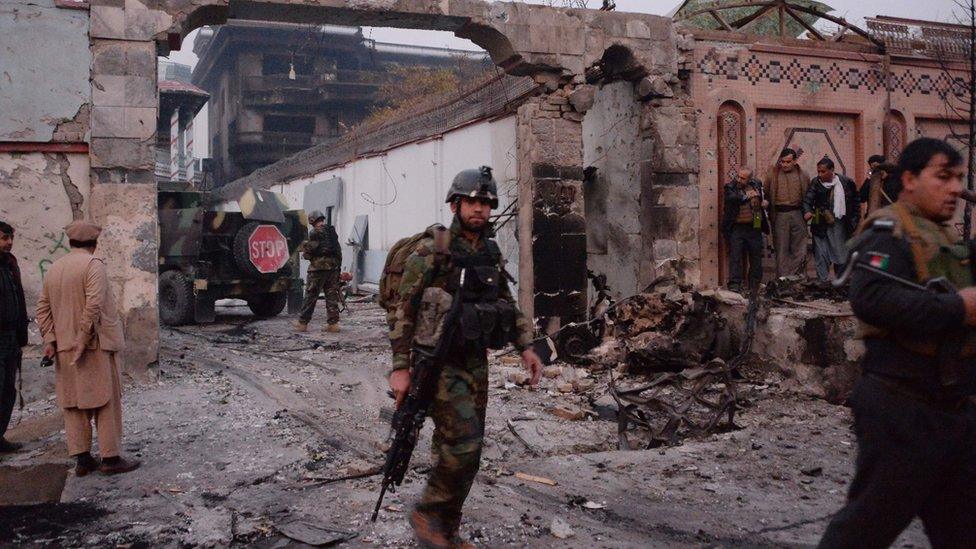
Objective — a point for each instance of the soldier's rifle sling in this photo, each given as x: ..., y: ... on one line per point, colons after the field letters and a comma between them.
x: 939, y: 285
x: 410, y: 416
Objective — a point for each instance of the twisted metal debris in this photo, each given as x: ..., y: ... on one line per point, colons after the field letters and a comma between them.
x: 692, y: 402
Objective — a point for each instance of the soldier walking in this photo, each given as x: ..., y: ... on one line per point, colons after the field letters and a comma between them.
x: 461, y: 396
x: 914, y: 420
x: 13, y: 332
x: 82, y: 333
x: 786, y: 186
x: 324, y: 254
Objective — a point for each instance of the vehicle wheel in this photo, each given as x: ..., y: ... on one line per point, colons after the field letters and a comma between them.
x: 175, y: 298
x: 267, y: 305
x: 242, y: 255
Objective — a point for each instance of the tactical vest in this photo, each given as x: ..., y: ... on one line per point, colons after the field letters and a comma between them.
x: 323, y: 250
x: 486, y: 321
x: 936, y: 252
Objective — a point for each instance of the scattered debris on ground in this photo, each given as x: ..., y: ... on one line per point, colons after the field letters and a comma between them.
x: 252, y: 435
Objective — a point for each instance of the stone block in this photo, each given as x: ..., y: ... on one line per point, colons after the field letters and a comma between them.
x: 108, y: 90
x: 32, y: 484
x: 128, y: 243
x: 583, y: 98
x: 637, y: 28
x: 108, y: 122
x: 124, y: 153
x: 140, y: 91
x: 107, y: 22
x: 665, y: 249
x: 653, y: 87
x: 140, y: 122
x: 124, y: 122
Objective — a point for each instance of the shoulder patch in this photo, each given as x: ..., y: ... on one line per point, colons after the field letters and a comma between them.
x: 877, y: 260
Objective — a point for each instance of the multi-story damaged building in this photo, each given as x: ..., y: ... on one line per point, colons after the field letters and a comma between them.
x: 279, y: 88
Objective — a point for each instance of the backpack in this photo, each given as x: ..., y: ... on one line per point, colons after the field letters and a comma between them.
x: 396, y: 259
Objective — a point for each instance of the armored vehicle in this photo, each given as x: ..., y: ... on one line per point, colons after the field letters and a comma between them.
x: 207, y: 253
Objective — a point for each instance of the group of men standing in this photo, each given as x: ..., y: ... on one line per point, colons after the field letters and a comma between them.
x: 82, y: 334
x: 791, y: 208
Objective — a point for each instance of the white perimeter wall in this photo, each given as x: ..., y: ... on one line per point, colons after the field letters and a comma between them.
x: 403, y: 190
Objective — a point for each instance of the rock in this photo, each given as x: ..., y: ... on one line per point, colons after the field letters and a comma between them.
x: 358, y: 467
x: 560, y: 529
x: 568, y: 411
x: 510, y: 360
x: 517, y: 376
x: 565, y: 387
x: 654, y: 87
x: 583, y: 98
x: 582, y: 385
x: 552, y: 372
x: 812, y: 471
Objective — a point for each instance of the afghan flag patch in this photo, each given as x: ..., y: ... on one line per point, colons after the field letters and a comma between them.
x: 878, y: 260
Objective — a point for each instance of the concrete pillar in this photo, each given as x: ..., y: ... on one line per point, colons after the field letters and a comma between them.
x: 552, y: 263
x: 123, y: 184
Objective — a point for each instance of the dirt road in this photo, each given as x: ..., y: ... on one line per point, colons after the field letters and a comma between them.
x: 250, y: 430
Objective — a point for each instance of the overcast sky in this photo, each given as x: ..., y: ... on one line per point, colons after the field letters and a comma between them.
x: 853, y: 10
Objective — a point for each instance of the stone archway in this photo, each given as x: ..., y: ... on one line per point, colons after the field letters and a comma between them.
x: 554, y: 46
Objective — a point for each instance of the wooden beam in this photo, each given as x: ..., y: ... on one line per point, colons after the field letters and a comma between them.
x: 805, y: 25
x: 741, y: 24
x: 720, y: 20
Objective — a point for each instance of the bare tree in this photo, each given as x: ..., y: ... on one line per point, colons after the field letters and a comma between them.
x: 954, y: 46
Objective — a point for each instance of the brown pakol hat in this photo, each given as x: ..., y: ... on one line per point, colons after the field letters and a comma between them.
x: 83, y: 231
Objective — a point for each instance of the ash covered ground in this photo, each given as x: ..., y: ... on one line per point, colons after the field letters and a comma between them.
x: 253, y: 435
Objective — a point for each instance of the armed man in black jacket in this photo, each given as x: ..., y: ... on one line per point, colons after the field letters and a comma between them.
x: 913, y: 415
x: 13, y: 331
x: 743, y: 224
x: 832, y: 207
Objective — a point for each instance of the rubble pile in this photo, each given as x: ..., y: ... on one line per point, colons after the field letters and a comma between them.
x: 664, y: 332
x: 668, y: 350
x: 795, y: 288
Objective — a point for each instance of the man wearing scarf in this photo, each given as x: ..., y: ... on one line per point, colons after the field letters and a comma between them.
x: 832, y: 207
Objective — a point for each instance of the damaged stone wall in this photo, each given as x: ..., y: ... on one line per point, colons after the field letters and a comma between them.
x: 42, y: 192
x: 612, y: 156
x: 669, y: 181
x: 42, y: 88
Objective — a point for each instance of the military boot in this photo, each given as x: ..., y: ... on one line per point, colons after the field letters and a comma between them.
x: 453, y: 528
x: 429, y: 531
x: 300, y: 326
x: 331, y: 328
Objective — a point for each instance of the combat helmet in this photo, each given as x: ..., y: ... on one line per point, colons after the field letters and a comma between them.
x: 477, y: 183
x: 315, y: 216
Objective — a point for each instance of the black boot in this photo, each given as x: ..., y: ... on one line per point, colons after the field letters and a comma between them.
x: 7, y: 447
x: 85, y: 464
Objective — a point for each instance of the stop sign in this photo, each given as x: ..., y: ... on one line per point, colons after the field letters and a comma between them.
x: 267, y: 248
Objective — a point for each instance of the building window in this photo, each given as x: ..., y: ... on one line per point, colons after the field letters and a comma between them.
x: 278, y: 65
x: 894, y: 135
x: 291, y: 124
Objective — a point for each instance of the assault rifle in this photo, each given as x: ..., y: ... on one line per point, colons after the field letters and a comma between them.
x: 410, y: 416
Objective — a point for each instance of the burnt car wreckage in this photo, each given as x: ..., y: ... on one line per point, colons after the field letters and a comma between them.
x: 208, y: 254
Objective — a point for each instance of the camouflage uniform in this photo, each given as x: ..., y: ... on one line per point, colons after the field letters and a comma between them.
x: 325, y: 256
x: 458, y: 409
